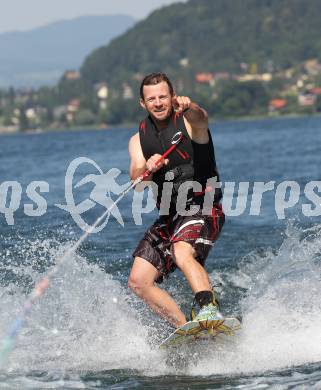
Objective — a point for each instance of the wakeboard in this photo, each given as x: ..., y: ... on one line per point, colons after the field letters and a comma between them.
x: 194, y: 331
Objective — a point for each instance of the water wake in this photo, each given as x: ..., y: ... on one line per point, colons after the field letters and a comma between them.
x: 281, y: 311
x: 83, y: 322
x: 87, y: 321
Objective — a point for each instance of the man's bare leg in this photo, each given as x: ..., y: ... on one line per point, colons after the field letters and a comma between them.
x: 142, y: 282
x: 195, y: 274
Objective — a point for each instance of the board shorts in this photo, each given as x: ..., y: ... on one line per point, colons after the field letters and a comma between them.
x: 201, y: 231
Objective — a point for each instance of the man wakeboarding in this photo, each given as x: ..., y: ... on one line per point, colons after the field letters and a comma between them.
x: 175, y: 240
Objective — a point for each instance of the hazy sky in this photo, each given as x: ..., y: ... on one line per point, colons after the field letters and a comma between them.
x: 27, y: 14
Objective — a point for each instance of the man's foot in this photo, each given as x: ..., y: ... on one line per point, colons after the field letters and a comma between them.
x: 209, y: 312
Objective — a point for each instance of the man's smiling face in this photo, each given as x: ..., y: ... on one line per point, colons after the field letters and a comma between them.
x: 157, y: 100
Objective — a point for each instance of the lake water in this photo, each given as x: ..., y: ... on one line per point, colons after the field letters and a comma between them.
x: 89, y: 331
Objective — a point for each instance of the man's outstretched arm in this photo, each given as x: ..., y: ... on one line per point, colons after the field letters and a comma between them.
x: 195, y: 118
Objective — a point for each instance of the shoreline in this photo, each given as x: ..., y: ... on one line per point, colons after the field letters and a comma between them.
x: 123, y: 126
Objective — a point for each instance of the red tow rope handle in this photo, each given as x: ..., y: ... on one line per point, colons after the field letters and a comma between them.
x: 179, y: 136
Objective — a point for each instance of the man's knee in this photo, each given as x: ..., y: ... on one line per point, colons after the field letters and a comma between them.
x: 136, y: 284
x: 142, y: 277
x: 183, y: 252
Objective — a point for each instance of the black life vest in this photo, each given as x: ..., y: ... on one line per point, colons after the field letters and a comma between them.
x: 189, y: 161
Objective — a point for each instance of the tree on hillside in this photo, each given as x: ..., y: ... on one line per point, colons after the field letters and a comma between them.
x: 214, y: 36
x: 237, y: 99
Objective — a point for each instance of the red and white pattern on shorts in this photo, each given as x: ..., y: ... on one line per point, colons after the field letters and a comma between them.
x: 199, y: 230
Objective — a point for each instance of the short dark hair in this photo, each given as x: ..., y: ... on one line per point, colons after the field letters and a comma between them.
x: 153, y: 79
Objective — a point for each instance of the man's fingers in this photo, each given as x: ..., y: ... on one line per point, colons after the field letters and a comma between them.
x: 181, y: 103
x: 161, y: 163
x: 153, y: 164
